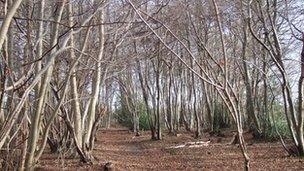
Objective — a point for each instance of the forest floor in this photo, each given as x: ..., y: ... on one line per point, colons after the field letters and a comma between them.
x: 128, y: 152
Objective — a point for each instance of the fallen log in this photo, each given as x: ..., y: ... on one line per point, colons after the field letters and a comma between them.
x: 196, y: 144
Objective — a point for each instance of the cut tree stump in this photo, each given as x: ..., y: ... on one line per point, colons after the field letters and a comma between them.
x: 108, y: 167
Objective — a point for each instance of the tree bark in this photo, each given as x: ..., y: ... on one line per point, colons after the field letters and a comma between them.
x: 76, y: 105
x: 36, y: 119
x: 301, y: 105
x: 96, y: 84
x: 7, y: 20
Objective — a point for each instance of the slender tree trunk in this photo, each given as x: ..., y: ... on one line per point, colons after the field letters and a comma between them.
x: 40, y: 43
x: 95, y: 85
x: 159, y: 129
x: 35, y: 123
x: 76, y: 105
x: 24, y: 135
x: 300, y: 129
x: 197, y: 117
x: 146, y: 100
x: 254, y: 124
x: 7, y: 20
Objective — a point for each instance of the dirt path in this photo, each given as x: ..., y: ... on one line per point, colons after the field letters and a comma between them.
x: 127, y: 152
